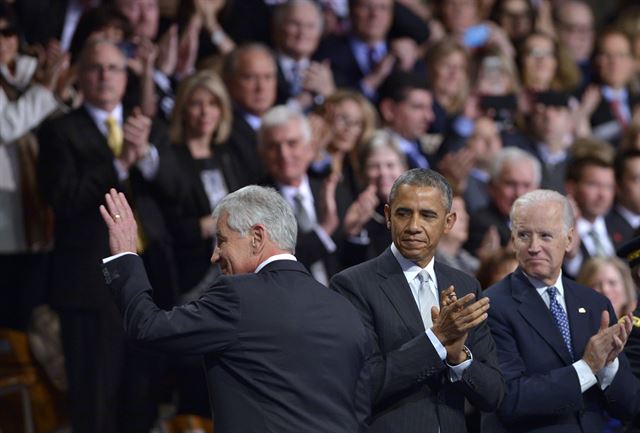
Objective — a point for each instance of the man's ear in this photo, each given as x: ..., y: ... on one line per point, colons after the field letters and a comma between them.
x: 387, y: 109
x: 258, y: 237
x: 387, y: 215
x: 449, y: 221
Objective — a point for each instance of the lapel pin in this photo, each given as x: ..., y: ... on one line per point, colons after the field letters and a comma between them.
x: 582, y: 310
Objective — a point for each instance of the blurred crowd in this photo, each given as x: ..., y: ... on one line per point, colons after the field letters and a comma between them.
x: 164, y: 100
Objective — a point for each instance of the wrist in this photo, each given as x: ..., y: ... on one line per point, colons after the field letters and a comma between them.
x: 461, y: 356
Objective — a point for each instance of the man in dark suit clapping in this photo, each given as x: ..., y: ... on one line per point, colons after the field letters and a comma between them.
x: 426, y: 360
x: 282, y: 352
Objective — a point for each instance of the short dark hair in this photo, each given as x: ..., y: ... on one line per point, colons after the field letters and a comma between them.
x: 578, y: 165
x: 399, y: 83
x: 424, y: 177
x: 619, y: 164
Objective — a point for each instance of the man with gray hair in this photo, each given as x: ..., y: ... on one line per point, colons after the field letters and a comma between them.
x: 284, y: 146
x: 559, y: 343
x: 513, y: 173
x: 282, y: 353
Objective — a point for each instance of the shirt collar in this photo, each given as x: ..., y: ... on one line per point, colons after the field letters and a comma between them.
x: 100, y: 116
x: 411, y: 269
x: 610, y: 94
x: 284, y: 256
x: 542, y: 287
x: 584, y: 227
x: 254, y: 121
x: 632, y: 218
x: 289, y: 192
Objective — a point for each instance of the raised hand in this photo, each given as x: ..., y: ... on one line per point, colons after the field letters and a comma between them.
x: 118, y: 217
x: 603, y: 347
x: 136, y: 133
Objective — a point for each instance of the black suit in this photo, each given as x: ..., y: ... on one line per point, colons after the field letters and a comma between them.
x: 282, y: 353
x: 41, y: 20
x: 604, y: 123
x: 411, y: 386
x: 618, y: 227
x: 75, y: 172
x: 243, y: 146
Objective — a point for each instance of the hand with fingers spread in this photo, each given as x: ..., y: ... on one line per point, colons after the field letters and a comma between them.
x: 607, y: 343
x: 454, y: 320
x: 118, y: 217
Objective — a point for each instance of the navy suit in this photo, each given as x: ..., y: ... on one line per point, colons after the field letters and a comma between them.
x: 411, y: 386
x: 282, y: 353
x: 543, y: 390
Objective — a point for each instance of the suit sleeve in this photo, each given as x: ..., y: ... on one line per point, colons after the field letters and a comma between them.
x: 482, y: 383
x: 556, y: 391
x: 397, y: 371
x: 207, y: 325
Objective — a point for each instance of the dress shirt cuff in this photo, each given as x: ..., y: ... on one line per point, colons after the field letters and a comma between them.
x: 361, y: 239
x: 149, y: 165
x: 123, y: 174
x: 162, y: 81
x: 368, y: 91
x: 116, y: 256
x: 585, y: 375
x: 326, y: 240
x: 442, y: 352
x: 455, y: 371
x: 607, y: 374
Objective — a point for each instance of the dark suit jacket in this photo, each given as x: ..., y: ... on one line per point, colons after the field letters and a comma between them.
x: 411, y: 385
x: 282, y: 353
x: 618, y: 227
x: 41, y: 20
x: 76, y: 170
x: 543, y: 391
x: 603, y: 120
x: 243, y: 145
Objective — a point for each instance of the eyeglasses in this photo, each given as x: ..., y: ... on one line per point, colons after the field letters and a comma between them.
x: 540, y: 52
x: 111, y: 69
x: 347, y: 122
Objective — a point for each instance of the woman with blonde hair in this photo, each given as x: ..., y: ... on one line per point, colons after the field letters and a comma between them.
x: 200, y: 125
x: 611, y: 277
x: 349, y: 120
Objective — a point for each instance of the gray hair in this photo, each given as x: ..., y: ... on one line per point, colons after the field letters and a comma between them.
x: 381, y: 139
x: 509, y: 155
x: 424, y: 177
x: 282, y: 12
x: 83, y: 58
x: 542, y: 197
x: 230, y: 64
x: 253, y: 205
x: 281, y: 115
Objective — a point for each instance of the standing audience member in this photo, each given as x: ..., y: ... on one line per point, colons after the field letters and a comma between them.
x: 624, y: 217
x: 559, y: 343
x: 591, y: 184
x: 364, y: 224
x: 432, y: 346
x: 576, y: 30
x: 514, y: 172
x: 297, y: 26
x: 281, y: 352
x: 250, y: 74
x: 83, y: 154
x: 284, y: 146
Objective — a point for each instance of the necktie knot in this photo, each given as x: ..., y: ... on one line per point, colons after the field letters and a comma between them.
x: 552, y: 291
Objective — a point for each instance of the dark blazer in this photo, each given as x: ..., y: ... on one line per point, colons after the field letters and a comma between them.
x: 618, y: 227
x: 412, y: 391
x: 543, y: 391
x: 41, y: 20
x: 282, y: 353
x: 243, y: 146
x: 75, y: 171
x: 603, y: 120
x: 309, y: 246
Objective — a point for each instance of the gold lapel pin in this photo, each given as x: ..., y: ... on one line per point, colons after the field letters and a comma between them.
x: 582, y: 310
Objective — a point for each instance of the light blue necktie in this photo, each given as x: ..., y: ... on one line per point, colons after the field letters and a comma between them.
x: 560, y: 316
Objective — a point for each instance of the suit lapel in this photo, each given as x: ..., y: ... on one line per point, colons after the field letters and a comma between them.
x: 534, y: 311
x: 578, y: 322
x: 89, y: 134
x: 395, y: 287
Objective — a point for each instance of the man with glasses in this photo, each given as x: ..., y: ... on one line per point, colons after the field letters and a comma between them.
x: 83, y: 154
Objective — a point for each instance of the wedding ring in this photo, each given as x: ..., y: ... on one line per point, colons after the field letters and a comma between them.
x: 116, y: 216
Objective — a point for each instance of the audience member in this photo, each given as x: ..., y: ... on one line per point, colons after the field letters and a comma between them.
x: 624, y: 217
x: 82, y: 154
x: 610, y: 277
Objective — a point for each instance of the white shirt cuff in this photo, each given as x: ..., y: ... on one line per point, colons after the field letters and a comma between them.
x: 326, y: 240
x: 455, y: 371
x: 122, y: 173
x: 116, y: 256
x: 442, y: 352
x: 585, y: 375
x: 149, y: 165
x: 607, y: 374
